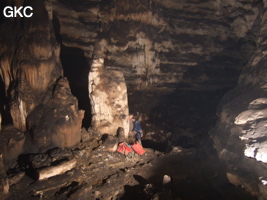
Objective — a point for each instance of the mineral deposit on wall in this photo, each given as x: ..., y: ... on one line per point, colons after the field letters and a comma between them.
x: 108, y: 96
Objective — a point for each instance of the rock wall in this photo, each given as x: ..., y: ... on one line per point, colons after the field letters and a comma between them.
x: 240, y: 133
x: 160, y: 44
x: 108, y: 96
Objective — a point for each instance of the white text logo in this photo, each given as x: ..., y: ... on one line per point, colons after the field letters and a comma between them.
x: 20, y: 11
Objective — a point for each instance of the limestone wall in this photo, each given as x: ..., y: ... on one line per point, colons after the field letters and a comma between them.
x: 240, y: 133
x: 159, y: 44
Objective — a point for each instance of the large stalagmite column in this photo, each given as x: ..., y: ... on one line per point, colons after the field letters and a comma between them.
x: 29, y: 62
x: 108, y: 96
x: 37, y: 97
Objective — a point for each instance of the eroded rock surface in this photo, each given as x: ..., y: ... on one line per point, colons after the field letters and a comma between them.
x: 108, y: 97
x: 240, y: 134
x: 157, y: 44
x: 29, y: 62
x: 56, y: 122
x: 12, y: 142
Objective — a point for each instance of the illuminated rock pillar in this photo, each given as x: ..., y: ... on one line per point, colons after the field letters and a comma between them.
x: 108, y: 96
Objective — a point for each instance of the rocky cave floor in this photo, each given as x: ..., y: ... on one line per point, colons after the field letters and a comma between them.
x: 189, y: 159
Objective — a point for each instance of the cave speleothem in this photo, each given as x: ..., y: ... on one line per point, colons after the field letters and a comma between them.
x: 193, y: 72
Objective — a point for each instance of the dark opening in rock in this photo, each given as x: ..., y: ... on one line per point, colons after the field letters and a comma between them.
x: 76, y: 68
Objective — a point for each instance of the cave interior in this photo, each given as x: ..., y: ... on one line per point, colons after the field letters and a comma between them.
x: 186, y: 69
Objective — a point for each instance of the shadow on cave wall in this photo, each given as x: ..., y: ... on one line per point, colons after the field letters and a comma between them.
x: 187, y: 114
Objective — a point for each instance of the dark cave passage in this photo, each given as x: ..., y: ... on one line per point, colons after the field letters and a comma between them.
x: 188, y: 114
x: 76, y: 68
x: 184, y: 115
x: 182, y: 118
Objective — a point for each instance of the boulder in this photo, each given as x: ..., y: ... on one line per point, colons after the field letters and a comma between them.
x: 121, y: 135
x: 111, y: 143
x: 40, y: 160
x: 86, y: 135
x: 57, y: 122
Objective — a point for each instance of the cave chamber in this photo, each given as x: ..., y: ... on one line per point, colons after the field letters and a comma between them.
x: 192, y: 72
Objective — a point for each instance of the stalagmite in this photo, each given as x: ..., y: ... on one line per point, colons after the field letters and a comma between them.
x: 32, y: 62
x: 59, y: 120
x: 108, y: 96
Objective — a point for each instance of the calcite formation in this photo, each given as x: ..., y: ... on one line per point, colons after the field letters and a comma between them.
x: 29, y: 63
x: 37, y: 98
x: 56, y: 122
x: 108, y: 97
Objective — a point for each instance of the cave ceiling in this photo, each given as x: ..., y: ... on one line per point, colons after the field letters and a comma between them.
x: 159, y: 44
